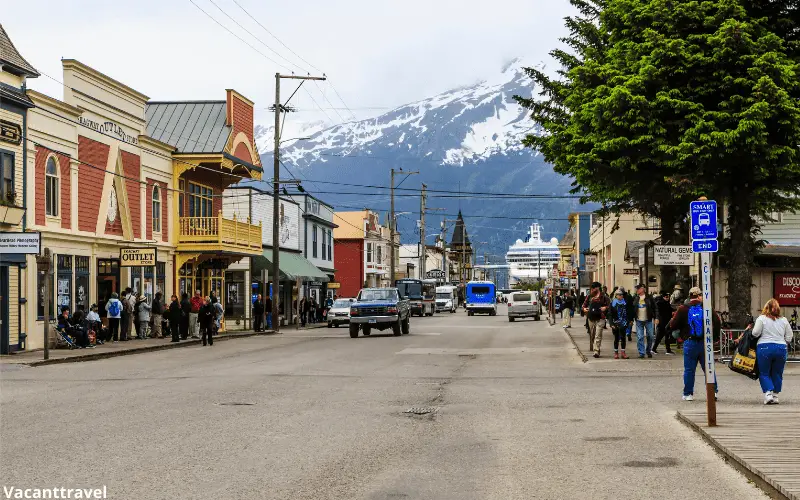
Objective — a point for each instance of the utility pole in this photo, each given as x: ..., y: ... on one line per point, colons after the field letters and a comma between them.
x: 392, y: 228
x: 276, y: 182
x: 423, y: 252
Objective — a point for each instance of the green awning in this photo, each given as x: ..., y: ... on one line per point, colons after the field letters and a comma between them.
x: 293, y: 267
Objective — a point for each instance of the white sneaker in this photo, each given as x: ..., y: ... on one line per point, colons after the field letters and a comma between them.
x: 688, y: 397
x: 769, y: 398
x: 775, y: 398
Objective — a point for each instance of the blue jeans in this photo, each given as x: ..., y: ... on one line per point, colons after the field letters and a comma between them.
x: 269, y: 320
x: 692, y: 354
x: 771, y: 361
x: 641, y: 328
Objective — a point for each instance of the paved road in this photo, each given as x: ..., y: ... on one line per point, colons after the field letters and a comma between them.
x: 317, y: 415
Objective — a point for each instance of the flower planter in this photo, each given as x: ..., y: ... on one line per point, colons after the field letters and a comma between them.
x: 11, y: 215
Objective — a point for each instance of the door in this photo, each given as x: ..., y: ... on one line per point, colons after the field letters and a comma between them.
x: 106, y: 285
x: 4, y: 333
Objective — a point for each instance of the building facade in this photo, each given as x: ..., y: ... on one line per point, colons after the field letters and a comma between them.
x: 608, y: 240
x: 15, y: 272
x: 460, y: 254
x: 316, y: 242
x: 362, y: 251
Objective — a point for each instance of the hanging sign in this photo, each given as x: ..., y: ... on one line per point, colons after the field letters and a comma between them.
x: 673, y: 255
x: 435, y: 274
x: 786, y: 289
x: 132, y: 257
x: 10, y: 132
x: 591, y: 263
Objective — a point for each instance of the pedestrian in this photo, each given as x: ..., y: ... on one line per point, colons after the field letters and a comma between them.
x: 126, y: 314
x: 304, y: 308
x: 158, y: 315
x: 93, y: 321
x: 774, y: 333
x: 219, y: 313
x: 205, y: 319
x: 689, y: 320
x: 595, y: 307
x: 194, y: 326
x: 131, y: 302
x: 186, y: 311
x: 568, y: 308
x: 114, y: 314
x: 581, y: 300
x: 618, y: 313
x: 645, y: 316
x: 663, y: 317
x: 143, y: 315
x: 258, y: 313
x: 268, y: 311
x: 175, y: 315
x: 631, y: 312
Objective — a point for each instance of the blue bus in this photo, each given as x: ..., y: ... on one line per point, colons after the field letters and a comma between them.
x: 481, y: 298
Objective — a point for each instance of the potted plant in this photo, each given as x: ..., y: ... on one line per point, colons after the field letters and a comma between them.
x: 10, y: 212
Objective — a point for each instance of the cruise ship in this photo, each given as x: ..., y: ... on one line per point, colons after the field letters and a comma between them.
x: 529, y: 260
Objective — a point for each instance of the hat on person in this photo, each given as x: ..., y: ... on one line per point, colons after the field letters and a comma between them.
x: 695, y: 292
x: 620, y: 291
x: 665, y: 293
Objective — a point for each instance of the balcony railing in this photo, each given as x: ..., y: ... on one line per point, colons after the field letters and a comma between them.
x: 220, y: 233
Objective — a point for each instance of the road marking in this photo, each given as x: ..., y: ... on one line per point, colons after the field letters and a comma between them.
x: 460, y: 327
x: 425, y: 333
x: 467, y: 351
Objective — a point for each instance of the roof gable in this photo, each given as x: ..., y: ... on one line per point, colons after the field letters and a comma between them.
x: 10, y: 56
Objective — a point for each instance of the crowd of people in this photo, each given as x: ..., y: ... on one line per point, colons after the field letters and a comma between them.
x: 668, y: 318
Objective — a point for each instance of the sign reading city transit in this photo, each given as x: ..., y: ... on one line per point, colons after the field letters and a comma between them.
x: 132, y: 257
x: 673, y: 255
x: 786, y: 288
x: 435, y: 274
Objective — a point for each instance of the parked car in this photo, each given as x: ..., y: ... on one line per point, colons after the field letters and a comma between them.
x: 379, y: 308
x: 339, y: 313
x: 524, y: 305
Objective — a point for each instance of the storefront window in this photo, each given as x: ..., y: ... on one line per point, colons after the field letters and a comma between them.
x: 161, y: 278
x: 149, y: 283
x: 235, y: 294
x: 186, y: 281
x: 314, y: 242
x: 51, y: 187
x: 81, y: 283
x: 64, y: 281
x: 7, y: 177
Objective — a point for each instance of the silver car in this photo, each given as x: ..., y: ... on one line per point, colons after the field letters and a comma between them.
x: 524, y: 305
x: 339, y: 313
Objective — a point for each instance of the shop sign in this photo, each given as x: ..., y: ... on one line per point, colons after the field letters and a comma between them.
x: 26, y: 243
x: 132, y: 257
x: 435, y: 274
x: 10, y: 132
x: 315, y: 284
x: 109, y: 128
x: 632, y: 272
x: 333, y: 285
x: 786, y: 288
x: 673, y: 255
x: 591, y: 263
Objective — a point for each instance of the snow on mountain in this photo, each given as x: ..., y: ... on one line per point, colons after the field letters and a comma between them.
x: 265, y: 134
x: 466, y: 139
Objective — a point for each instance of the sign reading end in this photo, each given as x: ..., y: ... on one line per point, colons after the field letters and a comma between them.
x: 705, y: 246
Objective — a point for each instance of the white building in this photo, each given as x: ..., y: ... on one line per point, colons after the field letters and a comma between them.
x: 316, y: 243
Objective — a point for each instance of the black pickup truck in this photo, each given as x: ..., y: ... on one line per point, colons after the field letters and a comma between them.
x: 379, y: 308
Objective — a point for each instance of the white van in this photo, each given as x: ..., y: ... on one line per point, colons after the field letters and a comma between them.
x: 524, y: 304
x: 446, y: 298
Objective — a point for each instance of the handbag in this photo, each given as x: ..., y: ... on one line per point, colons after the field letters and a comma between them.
x: 744, y: 360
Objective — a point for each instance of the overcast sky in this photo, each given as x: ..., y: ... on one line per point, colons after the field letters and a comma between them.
x: 377, y: 53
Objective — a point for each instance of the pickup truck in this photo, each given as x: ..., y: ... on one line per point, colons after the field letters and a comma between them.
x: 379, y: 308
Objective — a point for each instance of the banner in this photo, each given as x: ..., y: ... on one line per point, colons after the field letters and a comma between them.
x: 786, y: 288
x: 673, y: 255
x: 132, y: 257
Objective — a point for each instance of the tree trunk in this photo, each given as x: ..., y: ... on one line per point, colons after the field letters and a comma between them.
x: 668, y: 274
x: 741, y: 255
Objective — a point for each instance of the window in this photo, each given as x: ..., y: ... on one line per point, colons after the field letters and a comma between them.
x: 81, y: 283
x: 324, y: 237
x: 201, y: 201
x: 380, y: 259
x: 51, y: 187
x: 156, y: 209
x: 7, y: 177
x: 181, y: 198
x: 330, y: 246
x: 369, y: 252
x: 314, y: 242
x: 64, y: 273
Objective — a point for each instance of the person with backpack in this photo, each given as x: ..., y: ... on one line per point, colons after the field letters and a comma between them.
x: 618, y: 313
x: 114, y: 314
x: 219, y: 313
x: 688, y: 320
x: 568, y: 307
x: 774, y: 333
x: 631, y: 312
x: 595, y: 308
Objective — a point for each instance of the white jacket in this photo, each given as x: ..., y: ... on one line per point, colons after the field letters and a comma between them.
x: 772, y: 331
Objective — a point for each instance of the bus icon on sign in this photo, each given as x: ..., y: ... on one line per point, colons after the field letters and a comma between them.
x: 704, y: 220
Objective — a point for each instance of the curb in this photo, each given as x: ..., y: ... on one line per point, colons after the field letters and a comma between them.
x: 574, y: 343
x: 758, y: 478
x: 138, y: 350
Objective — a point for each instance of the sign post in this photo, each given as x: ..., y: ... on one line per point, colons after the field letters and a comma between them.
x: 704, y: 240
x: 44, y: 264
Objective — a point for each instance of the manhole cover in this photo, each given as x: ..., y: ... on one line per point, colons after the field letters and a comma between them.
x: 421, y: 410
x: 236, y: 404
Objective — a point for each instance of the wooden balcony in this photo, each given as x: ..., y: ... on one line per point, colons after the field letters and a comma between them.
x: 218, y: 234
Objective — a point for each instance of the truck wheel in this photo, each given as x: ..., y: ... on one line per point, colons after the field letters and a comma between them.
x: 366, y: 330
x: 353, y: 331
x: 396, y: 329
x: 510, y: 320
x: 469, y: 313
x: 406, y: 327
x: 330, y: 325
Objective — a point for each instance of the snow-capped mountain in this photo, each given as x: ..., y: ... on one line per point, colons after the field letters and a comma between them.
x: 466, y: 139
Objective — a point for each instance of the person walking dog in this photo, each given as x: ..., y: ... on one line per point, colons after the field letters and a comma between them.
x: 773, y: 332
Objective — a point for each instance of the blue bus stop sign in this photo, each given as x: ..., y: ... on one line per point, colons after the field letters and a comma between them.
x: 699, y: 246
x: 704, y: 220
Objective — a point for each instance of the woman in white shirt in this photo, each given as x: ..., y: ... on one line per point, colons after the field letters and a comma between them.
x: 774, y: 333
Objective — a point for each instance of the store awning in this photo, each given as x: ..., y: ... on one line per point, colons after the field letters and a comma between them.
x: 293, y: 267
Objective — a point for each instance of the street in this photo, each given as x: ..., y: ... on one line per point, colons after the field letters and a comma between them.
x: 515, y: 414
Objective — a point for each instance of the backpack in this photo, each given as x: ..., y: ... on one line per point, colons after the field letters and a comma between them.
x: 594, y: 309
x: 113, y: 308
x: 695, y: 321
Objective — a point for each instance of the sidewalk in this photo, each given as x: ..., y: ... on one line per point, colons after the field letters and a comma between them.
x: 767, y: 454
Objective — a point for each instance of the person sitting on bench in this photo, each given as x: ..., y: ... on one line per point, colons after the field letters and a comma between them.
x: 74, y: 326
